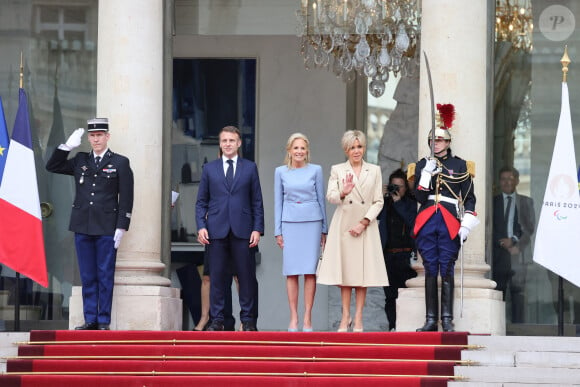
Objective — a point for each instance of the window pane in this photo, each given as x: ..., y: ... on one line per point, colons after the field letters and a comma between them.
x: 61, y: 86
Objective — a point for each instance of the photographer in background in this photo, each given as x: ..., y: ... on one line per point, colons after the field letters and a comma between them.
x: 396, y: 222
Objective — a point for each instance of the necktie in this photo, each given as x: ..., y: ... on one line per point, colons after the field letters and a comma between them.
x: 230, y: 173
x: 508, y: 209
x: 97, y: 161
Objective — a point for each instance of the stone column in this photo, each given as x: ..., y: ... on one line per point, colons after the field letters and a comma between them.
x: 130, y: 94
x: 459, y: 59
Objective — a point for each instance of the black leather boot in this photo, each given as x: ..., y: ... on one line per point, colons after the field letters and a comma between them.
x: 447, y: 290
x: 431, y: 306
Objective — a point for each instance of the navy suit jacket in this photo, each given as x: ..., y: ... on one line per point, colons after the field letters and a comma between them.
x: 238, y: 208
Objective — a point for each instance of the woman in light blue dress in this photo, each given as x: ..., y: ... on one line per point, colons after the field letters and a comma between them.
x: 300, y: 224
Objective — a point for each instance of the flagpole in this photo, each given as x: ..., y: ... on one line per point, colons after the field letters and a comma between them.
x: 565, y: 62
x: 21, y: 71
x: 17, y: 290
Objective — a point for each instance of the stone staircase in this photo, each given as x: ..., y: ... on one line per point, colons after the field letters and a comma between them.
x: 8, y: 348
x: 510, y: 361
x: 515, y: 361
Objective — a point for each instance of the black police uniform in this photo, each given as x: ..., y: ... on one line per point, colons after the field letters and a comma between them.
x: 102, y: 204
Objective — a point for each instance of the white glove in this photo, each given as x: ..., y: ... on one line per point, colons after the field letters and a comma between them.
x: 74, y: 140
x: 467, y: 224
x: 469, y: 221
x: 430, y: 165
x: 463, y: 233
x: 427, y: 173
x: 118, y: 236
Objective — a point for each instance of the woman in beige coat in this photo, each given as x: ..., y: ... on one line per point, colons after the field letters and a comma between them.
x: 353, y: 256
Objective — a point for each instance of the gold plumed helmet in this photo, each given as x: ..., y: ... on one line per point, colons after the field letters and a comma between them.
x: 444, y: 121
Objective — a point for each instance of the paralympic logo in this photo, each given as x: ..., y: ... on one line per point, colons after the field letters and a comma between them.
x: 563, y: 186
x: 559, y: 216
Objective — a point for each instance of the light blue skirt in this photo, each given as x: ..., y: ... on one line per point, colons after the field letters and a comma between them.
x: 301, y: 247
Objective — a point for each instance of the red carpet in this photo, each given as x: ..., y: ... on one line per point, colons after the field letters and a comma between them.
x: 138, y: 358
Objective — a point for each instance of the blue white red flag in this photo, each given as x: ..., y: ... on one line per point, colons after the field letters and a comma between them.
x: 22, y: 241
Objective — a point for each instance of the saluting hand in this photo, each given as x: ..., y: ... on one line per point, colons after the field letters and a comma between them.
x: 74, y: 140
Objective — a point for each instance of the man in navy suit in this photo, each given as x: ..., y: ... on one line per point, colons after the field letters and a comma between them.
x: 230, y: 219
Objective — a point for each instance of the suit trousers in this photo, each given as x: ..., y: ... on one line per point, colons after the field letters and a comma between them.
x: 96, y: 257
x: 222, y: 253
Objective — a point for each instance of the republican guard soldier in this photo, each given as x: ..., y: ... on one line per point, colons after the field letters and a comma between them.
x: 446, y: 215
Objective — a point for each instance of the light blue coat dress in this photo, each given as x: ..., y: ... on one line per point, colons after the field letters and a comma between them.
x: 300, y: 216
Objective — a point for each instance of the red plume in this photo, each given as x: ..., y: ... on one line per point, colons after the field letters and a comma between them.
x: 447, y: 114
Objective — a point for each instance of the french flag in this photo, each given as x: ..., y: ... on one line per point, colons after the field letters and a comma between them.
x: 21, y: 238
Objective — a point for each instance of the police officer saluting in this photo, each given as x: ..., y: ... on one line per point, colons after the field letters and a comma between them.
x: 446, y: 194
x: 100, y: 215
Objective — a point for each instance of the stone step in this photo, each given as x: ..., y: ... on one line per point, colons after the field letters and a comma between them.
x: 564, y: 360
x: 8, y: 347
x: 523, y: 358
x: 522, y: 375
x: 485, y: 358
x: 527, y: 344
x: 493, y: 384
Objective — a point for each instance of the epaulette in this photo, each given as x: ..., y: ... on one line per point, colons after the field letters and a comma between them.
x: 411, y: 171
x: 470, y: 167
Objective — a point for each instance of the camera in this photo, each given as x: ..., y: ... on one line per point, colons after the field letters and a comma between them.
x: 392, y: 188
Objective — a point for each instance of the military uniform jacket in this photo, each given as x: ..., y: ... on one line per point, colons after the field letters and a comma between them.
x: 104, y: 196
x: 455, y: 183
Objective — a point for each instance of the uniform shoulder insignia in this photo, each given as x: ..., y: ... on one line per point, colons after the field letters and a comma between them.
x: 411, y: 171
x: 471, y: 167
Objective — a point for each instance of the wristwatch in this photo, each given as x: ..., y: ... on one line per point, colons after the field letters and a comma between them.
x: 515, y: 240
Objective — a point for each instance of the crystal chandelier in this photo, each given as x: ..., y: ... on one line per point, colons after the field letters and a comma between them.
x: 514, y: 23
x: 369, y: 37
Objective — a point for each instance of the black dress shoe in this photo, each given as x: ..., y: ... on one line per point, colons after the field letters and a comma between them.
x: 230, y: 328
x: 87, y: 327
x: 216, y: 326
x: 250, y: 326
x: 103, y: 327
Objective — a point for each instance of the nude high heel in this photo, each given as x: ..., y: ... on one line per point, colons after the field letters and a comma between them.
x: 358, y: 330
x: 347, y: 327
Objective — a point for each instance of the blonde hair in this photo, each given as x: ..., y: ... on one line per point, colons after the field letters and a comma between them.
x: 291, y: 139
x: 350, y: 136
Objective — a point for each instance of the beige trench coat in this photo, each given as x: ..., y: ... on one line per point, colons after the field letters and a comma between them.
x: 348, y: 260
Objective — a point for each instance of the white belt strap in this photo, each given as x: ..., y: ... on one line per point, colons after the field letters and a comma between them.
x: 441, y: 198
